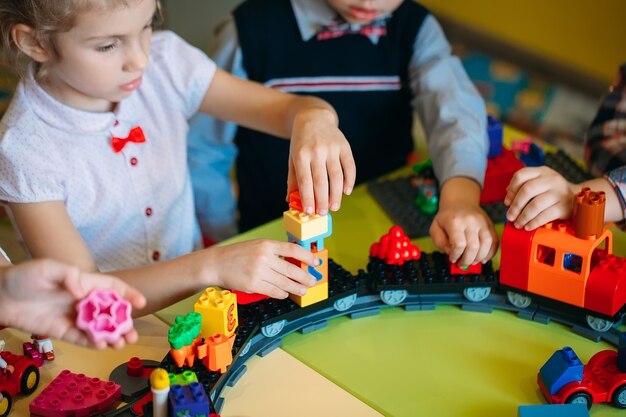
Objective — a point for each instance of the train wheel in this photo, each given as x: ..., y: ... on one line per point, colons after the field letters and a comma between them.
x: 29, y: 380
x: 599, y: 325
x: 518, y: 300
x: 273, y: 329
x: 245, y: 349
x: 477, y: 294
x: 5, y: 404
x: 345, y: 303
x: 393, y: 297
x: 580, y: 398
x: 619, y: 397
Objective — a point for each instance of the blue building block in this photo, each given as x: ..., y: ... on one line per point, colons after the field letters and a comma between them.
x: 562, y: 368
x: 553, y: 410
x: 189, y: 401
x: 494, y: 131
x: 535, y: 156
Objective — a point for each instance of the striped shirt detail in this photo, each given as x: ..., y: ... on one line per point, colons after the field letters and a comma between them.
x: 322, y: 84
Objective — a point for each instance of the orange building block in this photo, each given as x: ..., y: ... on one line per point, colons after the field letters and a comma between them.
x: 319, y: 292
x: 219, y: 312
x: 560, y: 262
x: 305, y: 226
x: 217, y: 352
x: 186, y: 355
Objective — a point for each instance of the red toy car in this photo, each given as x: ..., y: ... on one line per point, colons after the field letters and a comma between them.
x: 564, y: 379
x: 23, y: 380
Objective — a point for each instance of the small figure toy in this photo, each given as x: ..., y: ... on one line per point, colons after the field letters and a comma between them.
x: 6, y: 368
x: 44, y: 345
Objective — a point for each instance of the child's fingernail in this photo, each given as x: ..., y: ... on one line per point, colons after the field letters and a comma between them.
x: 302, y: 291
x: 318, y: 261
x: 334, y: 207
x: 348, y: 191
x: 323, y: 212
x: 308, y: 210
x: 312, y: 282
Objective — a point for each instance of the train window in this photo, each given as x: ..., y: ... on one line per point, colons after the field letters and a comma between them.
x: 545, y: 255
x: 572, y: 262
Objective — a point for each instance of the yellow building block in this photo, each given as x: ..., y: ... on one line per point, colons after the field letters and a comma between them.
x: 313, y: 295
x: 219, y: 312
x: 304, y: 226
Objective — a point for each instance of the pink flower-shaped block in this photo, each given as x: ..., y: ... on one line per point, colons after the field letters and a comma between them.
x: 104, y: 315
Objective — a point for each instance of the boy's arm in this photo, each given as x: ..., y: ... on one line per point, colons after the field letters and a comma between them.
x: 320, y: 158
x: 451, y: 110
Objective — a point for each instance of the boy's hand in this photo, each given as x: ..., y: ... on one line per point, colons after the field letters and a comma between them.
x: 321, y: 164
x: 40, y: 297
x: 538, y: 195
x: 257, y: 266
x: 461, y: 228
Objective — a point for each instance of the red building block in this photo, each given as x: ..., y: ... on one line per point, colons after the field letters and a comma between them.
x: 500, y: 171
x: 75, y: 395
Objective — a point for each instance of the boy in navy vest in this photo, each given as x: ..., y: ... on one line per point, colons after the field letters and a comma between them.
x: 377, y: 62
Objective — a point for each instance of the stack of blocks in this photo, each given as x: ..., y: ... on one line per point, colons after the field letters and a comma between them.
x: 309, y: 231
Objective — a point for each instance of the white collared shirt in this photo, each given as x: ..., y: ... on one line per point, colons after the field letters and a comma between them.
x: 133, y: 207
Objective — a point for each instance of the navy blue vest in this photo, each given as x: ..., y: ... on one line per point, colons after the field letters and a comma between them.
x: 375, y: 116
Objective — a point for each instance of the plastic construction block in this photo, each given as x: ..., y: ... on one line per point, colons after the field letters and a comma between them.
x: 133, y: 377
x: 553, y: 410
x: 104, y: 315
x: 494, y: 131
x: 304, y: 226
x: 217, y: 352
x: 562, y: 368
x: 183, y: 378
x: 500, y: 171
x: 218, y: 309
x: 395, y: 248
x: 184, y: 330
x: 313, y: 295
x: 76, y: 395
x: 189, y: 400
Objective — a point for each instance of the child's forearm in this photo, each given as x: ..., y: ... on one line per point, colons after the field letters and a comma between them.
x: 459, y: 189
x: 165, y: 283
x: 304, y: 110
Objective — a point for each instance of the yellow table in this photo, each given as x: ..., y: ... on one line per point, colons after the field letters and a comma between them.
x: 444, y: 362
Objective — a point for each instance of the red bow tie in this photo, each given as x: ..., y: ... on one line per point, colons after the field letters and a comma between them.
x: 135, y: 135
x: 338, y: 29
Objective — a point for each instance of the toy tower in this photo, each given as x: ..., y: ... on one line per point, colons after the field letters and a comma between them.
x: 309, y: 231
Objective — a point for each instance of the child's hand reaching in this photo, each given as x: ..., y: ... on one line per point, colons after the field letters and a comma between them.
x: 40, y: 297
x: 321, y: 164
x: 461, y: 228
x: 257, y: 266
x: 538, y: 195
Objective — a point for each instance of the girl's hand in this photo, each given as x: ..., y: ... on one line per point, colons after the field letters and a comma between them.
x: 258, y: 266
